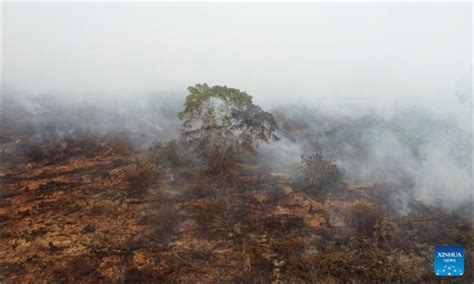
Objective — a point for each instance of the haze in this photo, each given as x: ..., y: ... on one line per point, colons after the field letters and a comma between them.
x: 376, y: 55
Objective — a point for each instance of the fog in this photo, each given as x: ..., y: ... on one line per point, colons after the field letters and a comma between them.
x: 405, y: 66
x: 364, y: 54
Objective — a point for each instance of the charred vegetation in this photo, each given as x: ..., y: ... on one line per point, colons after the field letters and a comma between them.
x: 203, y: 207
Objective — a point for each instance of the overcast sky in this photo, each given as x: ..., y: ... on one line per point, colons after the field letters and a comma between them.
x: 279, y: 53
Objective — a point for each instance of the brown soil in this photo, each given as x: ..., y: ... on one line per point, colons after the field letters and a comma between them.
x: 85, y: 213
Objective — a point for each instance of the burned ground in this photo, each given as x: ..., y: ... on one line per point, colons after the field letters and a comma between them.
x: 87, y: 208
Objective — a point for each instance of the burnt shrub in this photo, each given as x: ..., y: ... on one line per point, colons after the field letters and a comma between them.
x: 362, y: 217
x: 319, y: 174
x: 148, y: 172
x: 138, y: 177
x: 199, y: 188
x: 367, y: 264
x: 283, y: 225
x: 210, y: 215
x: 387, y: 231
x: 168, y: 154
x: 116, y: 145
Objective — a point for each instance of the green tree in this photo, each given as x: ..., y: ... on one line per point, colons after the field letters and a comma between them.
x: 220, y: 123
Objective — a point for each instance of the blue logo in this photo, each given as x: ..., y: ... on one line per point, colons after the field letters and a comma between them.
x: 449, y: 261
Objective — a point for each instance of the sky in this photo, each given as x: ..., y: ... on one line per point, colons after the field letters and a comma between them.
x: 369, y: 54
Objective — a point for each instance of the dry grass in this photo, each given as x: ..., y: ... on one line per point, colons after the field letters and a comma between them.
x: 174, y: 222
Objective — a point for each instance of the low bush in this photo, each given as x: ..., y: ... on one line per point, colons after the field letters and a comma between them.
x: 116, y: 146
x: 387, y: 231
x: 169, y: 154
x: 319, y: 174
x: 362, y: 217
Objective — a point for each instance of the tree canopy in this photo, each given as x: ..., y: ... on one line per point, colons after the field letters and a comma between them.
x: 219, y: 122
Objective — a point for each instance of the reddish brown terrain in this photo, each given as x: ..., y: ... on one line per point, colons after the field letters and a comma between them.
x: 89, y: 209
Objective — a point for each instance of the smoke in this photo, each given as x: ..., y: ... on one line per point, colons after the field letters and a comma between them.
x: 424, y: 154
x: 421, y: 152
x: 386, y: 86
x: 144, y: 120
